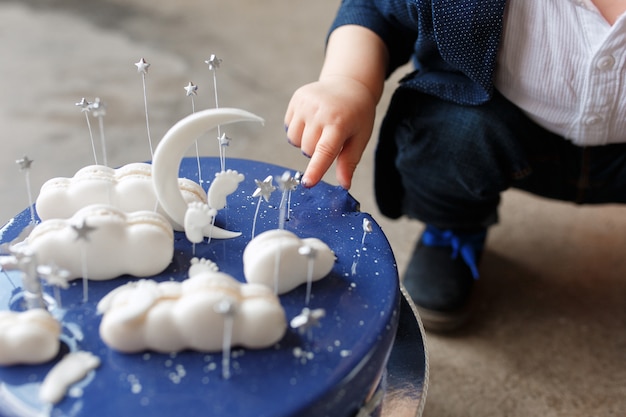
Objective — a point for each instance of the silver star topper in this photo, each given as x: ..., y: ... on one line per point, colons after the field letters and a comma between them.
x: 54, y: 275
x: 226, y: 307
x: 142, y: 66
x: 367, y: 226
x: 265, y: 188
x: 24, y: 163
x: 224, y: 140
x: 213, y: 62
x: 286, y: 182
x: 98, y: 107
x: 84, y: 105
x: 83, y: 230
x: 307, y: 251
x: 304, y: 321
x: 191, y: 89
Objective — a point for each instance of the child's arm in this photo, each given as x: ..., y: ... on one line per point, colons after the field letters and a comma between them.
x: 333, y: 117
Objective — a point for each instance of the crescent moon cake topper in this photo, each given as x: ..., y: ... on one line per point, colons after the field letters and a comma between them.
x: 171, y: 150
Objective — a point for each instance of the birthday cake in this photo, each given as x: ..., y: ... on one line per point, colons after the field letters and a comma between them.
x: 318, y: 328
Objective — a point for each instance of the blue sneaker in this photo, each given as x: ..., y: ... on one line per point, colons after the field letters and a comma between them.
x: 441, y: 275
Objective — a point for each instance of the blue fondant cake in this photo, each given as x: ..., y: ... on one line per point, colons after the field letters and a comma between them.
x: 332, y: 371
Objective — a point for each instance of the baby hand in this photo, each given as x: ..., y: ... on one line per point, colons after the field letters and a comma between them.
x: 331, y: 119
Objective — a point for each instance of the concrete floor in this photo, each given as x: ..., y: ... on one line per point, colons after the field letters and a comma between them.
x: 549, y: 337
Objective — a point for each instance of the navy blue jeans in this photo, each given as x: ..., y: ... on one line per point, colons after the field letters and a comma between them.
x: 447, y: 164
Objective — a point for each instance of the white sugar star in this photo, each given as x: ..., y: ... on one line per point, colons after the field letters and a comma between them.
x: 213, y: 62
x: 142, y: 66
x: 265, y: 188
x: 191, y: 89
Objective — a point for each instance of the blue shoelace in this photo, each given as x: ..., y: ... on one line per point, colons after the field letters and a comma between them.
x: 468, y: 245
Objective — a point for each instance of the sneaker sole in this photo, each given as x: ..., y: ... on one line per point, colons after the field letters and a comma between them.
x: 440, y: 322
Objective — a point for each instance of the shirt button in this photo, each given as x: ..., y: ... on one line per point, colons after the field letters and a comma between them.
x: 605, y: 62
x: 593, y: 120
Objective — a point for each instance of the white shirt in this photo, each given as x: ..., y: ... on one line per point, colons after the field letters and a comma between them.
x: 565, y: 66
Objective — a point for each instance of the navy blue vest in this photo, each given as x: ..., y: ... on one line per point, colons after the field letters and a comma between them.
x: 453, y: 43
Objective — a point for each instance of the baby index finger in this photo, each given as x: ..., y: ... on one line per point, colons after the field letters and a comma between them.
x: 326, y: 151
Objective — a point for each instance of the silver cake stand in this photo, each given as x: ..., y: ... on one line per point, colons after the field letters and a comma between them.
x: 407, y: 369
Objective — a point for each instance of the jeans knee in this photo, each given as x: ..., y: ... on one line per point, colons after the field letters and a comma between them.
x: 453, y: 160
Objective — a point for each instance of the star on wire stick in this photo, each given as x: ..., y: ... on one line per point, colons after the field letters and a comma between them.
x: 99, y: 110
x: 24, y: 164
x: 310, y: 253
x: 214, y: 63
x: 27, y: 263
x: 57, y: 277
x: 54, y: 275
x: 85, y: 107
x: 142, y: 68
x: 287, y: 184
x: 224, y: 140
x: 367, y: 229
x: 297, y: 179
x: 191, y: 90
x: 83, y: 230
x: 307, y: 319
x: 228, y: 309
x: 264, y: 189
x: 82, y: 233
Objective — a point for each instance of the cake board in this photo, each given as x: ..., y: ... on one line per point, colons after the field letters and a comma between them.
x: 407, y: 368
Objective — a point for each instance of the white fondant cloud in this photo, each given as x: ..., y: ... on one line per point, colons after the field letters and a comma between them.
x: 139, y: 243
x: 28, y: 337
x: 173, y: 316
x: 129, y: 188
x: 276, y: 260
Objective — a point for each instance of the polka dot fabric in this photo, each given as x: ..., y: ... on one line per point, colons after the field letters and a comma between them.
x: 454, y: 43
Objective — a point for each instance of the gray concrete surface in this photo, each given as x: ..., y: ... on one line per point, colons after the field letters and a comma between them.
x: 549, y: 337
